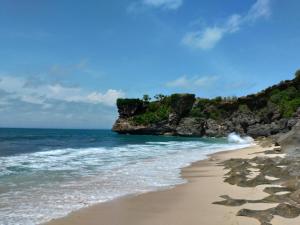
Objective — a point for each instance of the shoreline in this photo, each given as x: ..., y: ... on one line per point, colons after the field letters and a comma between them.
x: 189, y: 203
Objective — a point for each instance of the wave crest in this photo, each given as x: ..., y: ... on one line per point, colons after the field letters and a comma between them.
x: 235, y: 138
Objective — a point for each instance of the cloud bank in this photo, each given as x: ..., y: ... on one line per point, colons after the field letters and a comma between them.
x: 29, y: 102
x: 18, y: 87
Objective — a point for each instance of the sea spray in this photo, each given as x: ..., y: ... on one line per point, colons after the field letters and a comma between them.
x: 235, y: 138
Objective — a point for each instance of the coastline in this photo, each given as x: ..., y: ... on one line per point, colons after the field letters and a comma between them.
x: 189, y: 203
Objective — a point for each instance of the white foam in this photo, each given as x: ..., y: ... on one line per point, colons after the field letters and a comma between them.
x: 44, y: 185
x: 235, y: 138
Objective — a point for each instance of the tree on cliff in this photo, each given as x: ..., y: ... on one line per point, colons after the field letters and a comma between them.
x: 146, y: 98
x: 159, y: 97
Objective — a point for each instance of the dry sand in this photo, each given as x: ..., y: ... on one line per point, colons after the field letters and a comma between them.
x: 187, y: 204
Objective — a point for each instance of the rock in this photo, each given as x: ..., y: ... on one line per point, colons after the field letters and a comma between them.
x: 295, y: 196
x: 173, y: 119
x: 274, y: 128
x: 283, y: 124
x: 242, y: 120
x: 215, y: 129
x: 181, y: 105
x: 291, y: 141
x: 190, y: 126
x: 297, y: 113
x: 292, y: 122
x: 130, y: 107
x: 265, y: 130
x: 124, y: 126
x: 259, y: 130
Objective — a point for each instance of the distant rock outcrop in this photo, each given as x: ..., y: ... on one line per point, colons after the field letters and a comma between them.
x: 269, y: 112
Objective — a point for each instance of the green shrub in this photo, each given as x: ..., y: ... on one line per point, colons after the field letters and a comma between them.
x: 288, y: 100
x: 218, y: 99
x: 157, y: 114
x: 244, y: 108
x: 197, y: 112
x: 153, y: 106
x: 122, y: 102
x: 288, y: 108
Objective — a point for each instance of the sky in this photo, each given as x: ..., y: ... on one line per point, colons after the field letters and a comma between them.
x: 63, y: 63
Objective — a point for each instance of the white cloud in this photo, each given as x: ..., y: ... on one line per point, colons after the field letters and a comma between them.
x: 142, y: 5
x: 194, y: 82
x: 259, y: 10
x: 208, y: 37
x: 206, y: 81
x: 108, y: 98
x: 205, y: 39
x: 166, y: 4
x: 179, y: 82
x: 41, y: 93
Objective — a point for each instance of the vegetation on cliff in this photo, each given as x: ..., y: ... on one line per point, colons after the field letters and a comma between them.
x: 155, y: 112
x: 160, y: 109
x: 266, y: 112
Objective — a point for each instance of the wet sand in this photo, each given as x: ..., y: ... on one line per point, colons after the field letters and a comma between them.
x: 187, y: 204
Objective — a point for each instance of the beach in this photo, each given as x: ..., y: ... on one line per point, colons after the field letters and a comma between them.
x: 38, y: 184
x: 188, y: 204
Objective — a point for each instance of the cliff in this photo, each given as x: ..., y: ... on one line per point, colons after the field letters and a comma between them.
x: 269, y: 112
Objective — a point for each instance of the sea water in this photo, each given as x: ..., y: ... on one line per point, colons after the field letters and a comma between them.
x: 48, y: 173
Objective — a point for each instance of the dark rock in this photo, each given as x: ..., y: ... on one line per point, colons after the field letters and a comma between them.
x: 259, y: 130
x: 130, y: 107
x: 245, y: 119
x: 173, y: 119
x: 287, y: 172
x: 190, y: 126
x: 215, y: 129
x: 230, y: 201
x: 292, y: 122
x: 181, y: 105
x: 283, y: 124
x: 124, y: 126
x: 240, y: 121
x: 291, y: 141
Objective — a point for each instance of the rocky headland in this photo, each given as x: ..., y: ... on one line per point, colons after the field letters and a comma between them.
x: 270, y: 112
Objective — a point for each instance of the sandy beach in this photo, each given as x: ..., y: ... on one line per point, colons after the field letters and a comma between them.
x: 189, y: 204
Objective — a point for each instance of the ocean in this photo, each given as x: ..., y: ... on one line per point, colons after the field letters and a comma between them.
x: 48, y: 173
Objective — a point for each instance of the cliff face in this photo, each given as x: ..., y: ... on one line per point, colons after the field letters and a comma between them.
x: 160, y: 117
x: 269, y: 112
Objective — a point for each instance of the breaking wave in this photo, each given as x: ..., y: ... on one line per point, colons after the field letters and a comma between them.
x: 235, y: 138
x: 36, y: 187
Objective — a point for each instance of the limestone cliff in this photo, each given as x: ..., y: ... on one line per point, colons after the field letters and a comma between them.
x: 269, y: 112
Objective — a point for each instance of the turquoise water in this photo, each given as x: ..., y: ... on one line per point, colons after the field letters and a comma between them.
x: 46, y: 174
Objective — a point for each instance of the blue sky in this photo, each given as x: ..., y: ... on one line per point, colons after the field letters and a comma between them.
x: 63, y: 63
